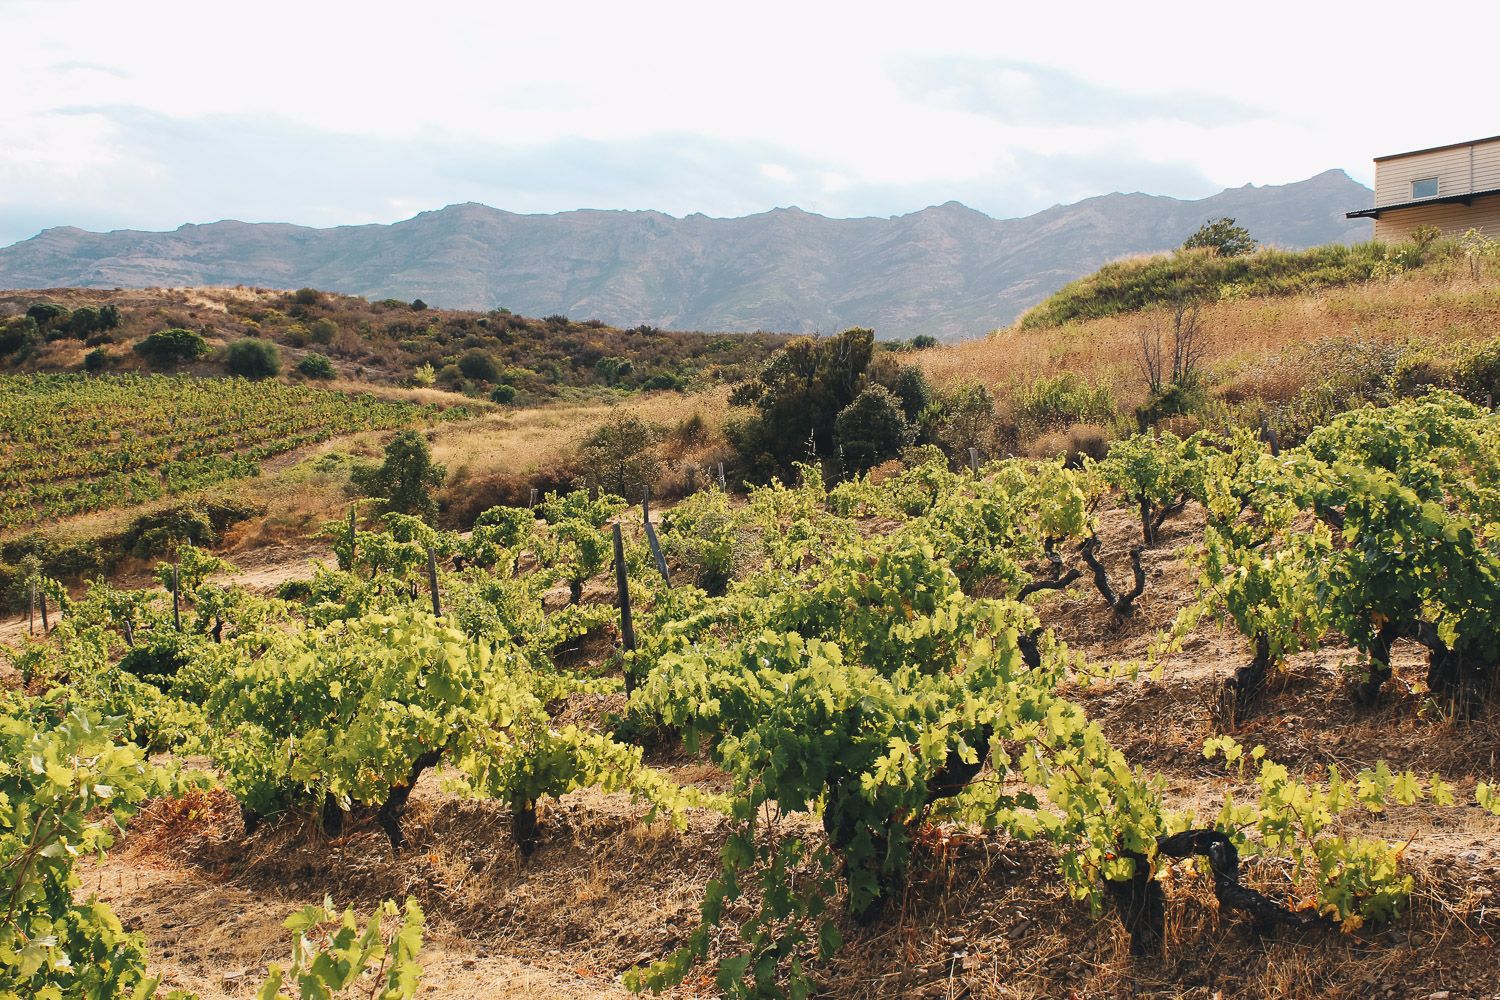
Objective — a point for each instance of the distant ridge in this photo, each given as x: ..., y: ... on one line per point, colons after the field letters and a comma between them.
x: 947, y: 270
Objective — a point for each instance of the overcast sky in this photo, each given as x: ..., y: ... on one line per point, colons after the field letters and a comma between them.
x: 154, y: 113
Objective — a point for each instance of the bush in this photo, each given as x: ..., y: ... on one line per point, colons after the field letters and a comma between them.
x: 871, y: 429
x: 172, y: 347
x: 96, y: 361
x: 1074, y: 444
x: 19, y: 337
x: 1477, y: 376
x: 317, y: 366
x: 1223, y: 237
x: 503, y: 394
x: 251, y: 357
x: 406, y: 479
x: 47, y: 315
x: 322, y: 331
x: 1060, y: 401
x: 922, y: 342
x: 621, y: 455
x: 662, y: 381
x: 479, y: 366
x: 307, y: 296
x: 911, y: 387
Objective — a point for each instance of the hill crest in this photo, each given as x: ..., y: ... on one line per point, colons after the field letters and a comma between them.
x: 946, y: 270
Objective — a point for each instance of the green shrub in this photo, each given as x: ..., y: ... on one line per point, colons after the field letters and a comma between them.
x: 405, y: 480
x: 503, y: 394
x: 622, y: 454
x: 322, y: 331
x: 47, y: 315
x: 1478, y: 375
x: 172, y: 347
x: 479, y: 366
x: 251, y: 357
x: 1223, y: 237
x: 96, y: 360
x: 19, y: 336
x: 871, y: 429
x: 317, y: 366
x: 1060, y: 401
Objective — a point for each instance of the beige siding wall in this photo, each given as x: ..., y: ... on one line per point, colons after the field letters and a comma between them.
x: 1453, y: 220
x: 1456, y: 170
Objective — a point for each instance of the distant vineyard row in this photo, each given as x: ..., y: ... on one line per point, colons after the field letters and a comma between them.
x: 71, y: 443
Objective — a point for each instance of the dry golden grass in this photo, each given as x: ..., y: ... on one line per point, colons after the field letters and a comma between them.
x: 1241, y: 334
x: 523, y: 440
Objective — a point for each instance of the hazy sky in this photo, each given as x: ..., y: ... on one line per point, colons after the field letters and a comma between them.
x: 154, y: 113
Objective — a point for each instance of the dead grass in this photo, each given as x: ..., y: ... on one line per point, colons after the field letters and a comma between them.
x: 1242, y: 335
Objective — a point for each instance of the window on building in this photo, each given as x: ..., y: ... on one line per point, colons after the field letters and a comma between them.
x: 1424, y: 188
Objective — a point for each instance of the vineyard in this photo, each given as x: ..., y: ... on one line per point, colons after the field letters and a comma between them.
x: 838, y: 692
x: 72, y: 443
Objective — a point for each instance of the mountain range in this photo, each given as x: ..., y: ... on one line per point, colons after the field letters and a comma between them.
x: 947, y: 271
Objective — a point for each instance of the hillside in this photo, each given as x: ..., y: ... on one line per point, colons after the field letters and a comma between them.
x: 946, y: 271
x: 1284, y: 340
x: 376, y: 343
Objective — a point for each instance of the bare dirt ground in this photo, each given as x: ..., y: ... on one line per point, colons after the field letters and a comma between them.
x: 983, y: 916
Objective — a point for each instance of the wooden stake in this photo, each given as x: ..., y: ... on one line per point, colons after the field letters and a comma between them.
x: 622, y: 590
x: 533, y: 497
x: 974, y: 460
x: 351, y: 538
x: 432, y: 580
x: 45, y: 626
x: 656, y: 553
x: 722, y: 485
x: 176, y: 603
x: 31, y: 609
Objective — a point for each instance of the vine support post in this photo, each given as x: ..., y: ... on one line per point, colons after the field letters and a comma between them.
x: 722, y: 484
x: 176, y: 598
x: 351, y: 538
x: 31, y: 609
x: 974, y: 460
x: 1272, y: 438
x: 532, y: 503
x: 622, y: 589
x: 46, y: 626
x: 656, y: 553
x: 432, y: 581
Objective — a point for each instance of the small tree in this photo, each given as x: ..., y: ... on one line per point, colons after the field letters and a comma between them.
x: 425, y: 375
x: 871, y: 429
x: 251, y: 357
x: 171, y: 347
x: 621, y: 454
x: 406, y: 479
x: 1223, y: 237
x: 1172, y: 350
x: 96, y: 360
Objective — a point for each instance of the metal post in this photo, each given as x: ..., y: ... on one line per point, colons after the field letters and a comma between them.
x: 656, y: 553
x: 432, y: 579
x: 622, y: 589
x: 974, y: 460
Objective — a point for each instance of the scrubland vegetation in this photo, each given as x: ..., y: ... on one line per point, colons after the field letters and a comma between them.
x: 1147, y: 647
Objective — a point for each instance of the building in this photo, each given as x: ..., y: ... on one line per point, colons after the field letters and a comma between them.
x: 1454, y: 188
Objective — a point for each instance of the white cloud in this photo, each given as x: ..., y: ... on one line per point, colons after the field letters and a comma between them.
x: 850, y: 100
